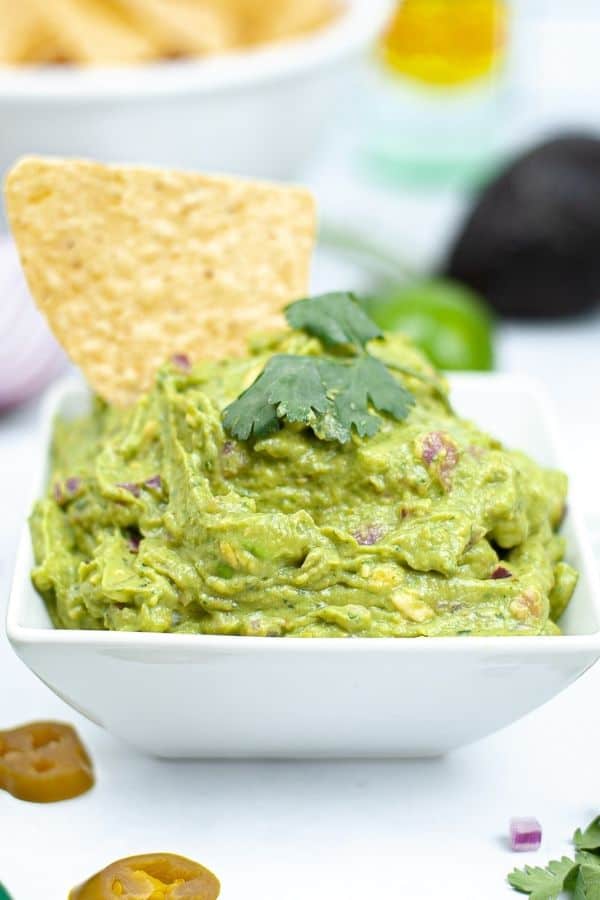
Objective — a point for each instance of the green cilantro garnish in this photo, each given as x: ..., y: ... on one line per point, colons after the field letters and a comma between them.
x: 336, y: 319
x: 542, y: 884
x: 587, y: 886
x: 590, y: 838
x: 332, y: 395
x: 579, y: 877
x: 289, y: 387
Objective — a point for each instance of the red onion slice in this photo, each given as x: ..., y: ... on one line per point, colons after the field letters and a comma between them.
x: 30, y: 357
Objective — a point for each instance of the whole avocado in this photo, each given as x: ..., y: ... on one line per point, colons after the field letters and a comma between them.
x: 531, y: 242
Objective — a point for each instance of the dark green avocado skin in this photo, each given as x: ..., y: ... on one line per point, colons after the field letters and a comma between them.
x: 531, y: 242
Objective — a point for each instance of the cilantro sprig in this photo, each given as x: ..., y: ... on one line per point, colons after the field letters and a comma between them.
x: 579, y: 877
x: 333, y: 395
x: 335, y: 318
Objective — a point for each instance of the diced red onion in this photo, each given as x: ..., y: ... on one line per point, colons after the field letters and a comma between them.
x: 181, y: 361
x: 501, y: 572
x: 60, y: 489
x: 154, y: 482
x: 130, y: 486
x: 433, y: 444
x: 72, y: 485
x: 30, y: 357
x: 525, y: 834
x: 367, y: 535
x: 134, y: 541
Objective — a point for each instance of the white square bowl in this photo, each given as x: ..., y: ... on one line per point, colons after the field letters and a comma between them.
x: 225, y: 696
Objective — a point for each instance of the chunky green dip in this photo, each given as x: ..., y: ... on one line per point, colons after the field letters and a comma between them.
x: 156, y: 520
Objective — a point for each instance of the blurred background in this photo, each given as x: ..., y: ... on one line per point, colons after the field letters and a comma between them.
x: 453, y: 145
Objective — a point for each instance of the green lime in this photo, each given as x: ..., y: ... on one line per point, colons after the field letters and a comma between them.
x: 446, y: 320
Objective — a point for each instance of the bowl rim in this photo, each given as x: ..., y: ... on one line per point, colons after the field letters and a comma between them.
x: 239, y: 69
x: 119, y: 642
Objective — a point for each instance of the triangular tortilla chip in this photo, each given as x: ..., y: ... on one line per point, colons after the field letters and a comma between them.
x: 132, y: 265
x: 91, y: 33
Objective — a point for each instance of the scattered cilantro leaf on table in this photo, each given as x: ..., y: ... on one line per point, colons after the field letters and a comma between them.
x: 587, y: 886
x: 333, y: 394
x: 590, y: 838
x: 542, y: 884
x: 579, y: 878
x: 587, y: 856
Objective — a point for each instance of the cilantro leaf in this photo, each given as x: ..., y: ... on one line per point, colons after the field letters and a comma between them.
x: 590, y: 838
x: 348, y: 392
x: 354, y: 386
x: 543, y: 884
x: 331, y: 396
x: 295, y: 387
x: 587, y: 886
x: 385, y: 391
x: 587, y: 857
x: 289, y: 387
x: 336, y: 319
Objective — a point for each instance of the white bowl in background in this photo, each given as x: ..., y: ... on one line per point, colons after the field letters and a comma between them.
x: 225, y: 696
x: 255, y: 112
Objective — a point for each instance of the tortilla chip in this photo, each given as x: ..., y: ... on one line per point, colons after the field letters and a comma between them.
x: 107, y: 32
x: 132, y: 265
x: 287, y: 18
x: 275, y: 20
x: 85, y: 32
x: 181, y: 27
x: 18, y: 31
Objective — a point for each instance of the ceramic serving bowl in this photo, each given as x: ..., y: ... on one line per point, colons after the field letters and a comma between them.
x: 256, y: 112
x: 194, y: 696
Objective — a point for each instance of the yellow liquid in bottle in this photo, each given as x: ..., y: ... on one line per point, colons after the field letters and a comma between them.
x: 445, y: 42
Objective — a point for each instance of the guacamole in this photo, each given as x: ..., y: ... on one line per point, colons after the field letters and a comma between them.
x: 157, y: 520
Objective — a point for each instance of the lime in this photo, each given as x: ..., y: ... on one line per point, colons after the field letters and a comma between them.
x: 449, y: 322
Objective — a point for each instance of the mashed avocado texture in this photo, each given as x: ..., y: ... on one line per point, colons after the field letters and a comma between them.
x: 156, y: 520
